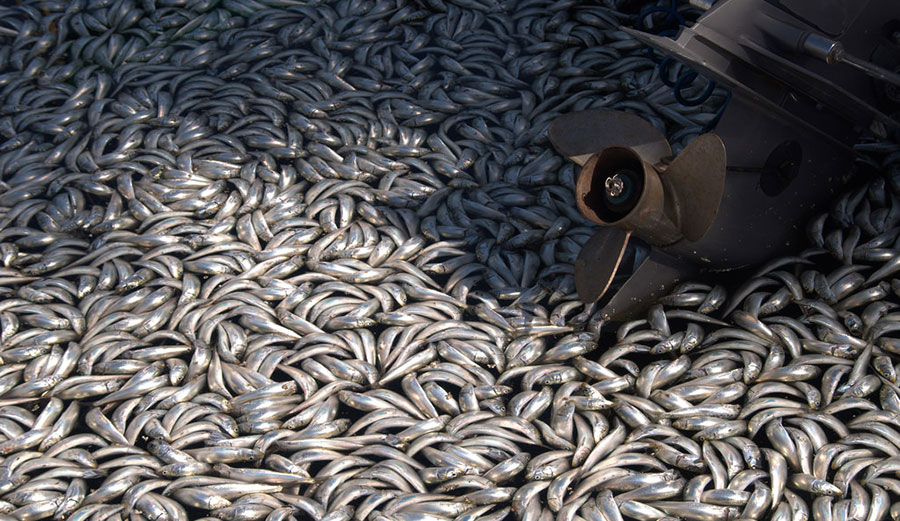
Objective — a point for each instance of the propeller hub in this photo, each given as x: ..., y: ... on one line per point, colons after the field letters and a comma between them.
x: 613, y: 183
x: 617, y: 188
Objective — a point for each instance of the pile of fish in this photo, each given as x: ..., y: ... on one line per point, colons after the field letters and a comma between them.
x: 277, y: 259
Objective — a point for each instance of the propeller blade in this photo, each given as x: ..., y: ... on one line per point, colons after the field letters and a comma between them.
x: 654, y: 277
x: 696, y: 179
x: 598, y: 261
x: 578, y: 135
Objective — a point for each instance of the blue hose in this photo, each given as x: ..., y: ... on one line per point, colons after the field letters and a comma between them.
x: 669, y: 28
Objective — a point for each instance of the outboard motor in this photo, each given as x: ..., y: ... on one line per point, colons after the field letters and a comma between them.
x: 800, y: 99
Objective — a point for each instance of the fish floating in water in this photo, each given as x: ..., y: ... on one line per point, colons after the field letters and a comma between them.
x: 273, y: 260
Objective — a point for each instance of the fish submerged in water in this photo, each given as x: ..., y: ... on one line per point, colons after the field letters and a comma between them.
x: 274, y: 260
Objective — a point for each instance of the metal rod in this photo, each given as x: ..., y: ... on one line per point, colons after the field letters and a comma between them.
x: 868, y: 68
